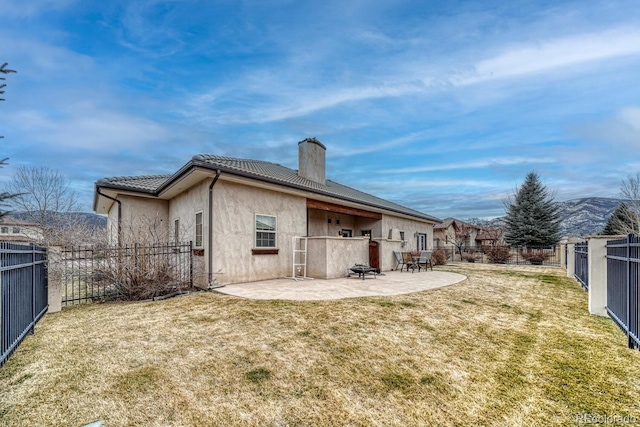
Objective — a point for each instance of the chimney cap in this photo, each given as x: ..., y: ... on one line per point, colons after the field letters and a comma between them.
x: 313, y: 141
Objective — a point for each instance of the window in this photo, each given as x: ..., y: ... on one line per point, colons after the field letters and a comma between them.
x: 422, y: 242
x: 16, y: 230
x: 176, y: 230
x: 346, y: 233
x: 199, y: 230
x: 402, y: 235
x: 4, y: 230
x: 265, y: 231
x: 366, y: 233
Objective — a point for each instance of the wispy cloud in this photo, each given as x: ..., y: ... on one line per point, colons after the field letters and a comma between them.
x: 475, y: 164
x: 619, y: 133
x: 550, y: 55
x: 25, y: 9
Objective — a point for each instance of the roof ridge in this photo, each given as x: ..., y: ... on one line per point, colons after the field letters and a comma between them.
x: 205, y: 157
x: 134, y: 177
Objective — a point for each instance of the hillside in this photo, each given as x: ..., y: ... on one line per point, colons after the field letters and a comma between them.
x: 90, y: 218
x: 579, y: 217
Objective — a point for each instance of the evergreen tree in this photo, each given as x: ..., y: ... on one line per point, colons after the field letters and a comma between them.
x: 4, y: 196
x: 532, y: 215
x: 621, y: 221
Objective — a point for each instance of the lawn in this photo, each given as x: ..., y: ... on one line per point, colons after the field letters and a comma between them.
x: 511, y: 345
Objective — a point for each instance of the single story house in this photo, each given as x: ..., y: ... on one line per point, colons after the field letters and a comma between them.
x: 246, y: 217
x: 16, y: 230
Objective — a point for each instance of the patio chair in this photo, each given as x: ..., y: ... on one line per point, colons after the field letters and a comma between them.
x: 408, y: 261
x: 399, y: 260
x: 425, y: 260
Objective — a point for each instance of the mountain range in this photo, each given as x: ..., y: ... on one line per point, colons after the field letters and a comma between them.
x: 89, y: 218
x: 578, y: 217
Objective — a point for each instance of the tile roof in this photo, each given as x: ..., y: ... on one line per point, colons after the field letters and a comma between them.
x: 264, y: 171
x: 146, y: 183
x: 446, y: 223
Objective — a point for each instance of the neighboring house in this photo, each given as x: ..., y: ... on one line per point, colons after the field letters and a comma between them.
x: 490, y: 237
x: 17, y: 230
x: 446, y: 234
x: 244, y: 216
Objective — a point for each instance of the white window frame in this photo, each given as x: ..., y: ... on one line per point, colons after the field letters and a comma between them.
x: 256, y: 231
x: 195, y: 243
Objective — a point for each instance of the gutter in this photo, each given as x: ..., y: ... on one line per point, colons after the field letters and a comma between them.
x: 119, y: 213
x: 213, y: 283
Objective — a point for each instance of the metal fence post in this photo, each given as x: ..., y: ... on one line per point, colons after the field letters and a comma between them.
x: 629, y: 305
x: 191, y: 263
x: 33, y: 288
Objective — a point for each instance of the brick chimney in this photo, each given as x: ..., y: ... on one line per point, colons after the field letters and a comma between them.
x: 311, y: 160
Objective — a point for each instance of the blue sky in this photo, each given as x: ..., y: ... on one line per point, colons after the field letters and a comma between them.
x: 442, y: 106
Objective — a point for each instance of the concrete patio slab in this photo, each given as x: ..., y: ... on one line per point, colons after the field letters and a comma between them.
x: 390, y: 283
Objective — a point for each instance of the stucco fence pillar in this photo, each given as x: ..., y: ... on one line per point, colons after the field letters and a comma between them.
x: 55, y: 277
x: 597, y: 259
x: 562, y: 254
x: 571, y: 260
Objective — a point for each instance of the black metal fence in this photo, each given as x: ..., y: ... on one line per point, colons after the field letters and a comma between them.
x: 623, y: 274
x: 94, y: 273
x: 23, y: 293
x: 501, y: 254
x: 582, y: 264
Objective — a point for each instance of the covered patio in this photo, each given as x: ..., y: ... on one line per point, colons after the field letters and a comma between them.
x: 390, y: 283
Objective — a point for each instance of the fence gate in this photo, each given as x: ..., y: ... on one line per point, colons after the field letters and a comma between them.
x: 23, y: 293
x: 623, y: 296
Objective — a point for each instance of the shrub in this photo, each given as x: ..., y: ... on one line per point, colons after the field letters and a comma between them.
x: 498, y: 254
x: 535, y: 256
x: 139, y: 273
x: 469, y: 258
x: 439, y: 257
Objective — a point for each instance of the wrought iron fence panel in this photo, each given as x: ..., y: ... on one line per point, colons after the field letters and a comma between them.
x: 23, y: 293
x: 505, y: 254
x: 581, y: 254
x: 109, y: 272
x: 623, y: 276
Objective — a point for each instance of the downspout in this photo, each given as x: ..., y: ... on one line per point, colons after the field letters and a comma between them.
x: 119, y: 213
x: 213, y: 283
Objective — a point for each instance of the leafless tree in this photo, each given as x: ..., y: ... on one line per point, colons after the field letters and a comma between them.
x: 45, y: 197
x: 5, y: 197
x: 461, y: 235
x: 494, y: 235
x: 630, y: 191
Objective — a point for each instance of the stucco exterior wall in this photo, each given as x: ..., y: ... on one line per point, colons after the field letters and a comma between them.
x: 143, y: 220
x: 375, y: 225
x: 330, y: 257
x: 112, y: 224
x: 319, y: 223
x: 387, y: 259
x: 393, y: 225
x: 234, y: 209
x: 183, y: 208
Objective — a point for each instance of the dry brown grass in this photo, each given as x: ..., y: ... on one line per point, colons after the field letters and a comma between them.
x: 511, y: 345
